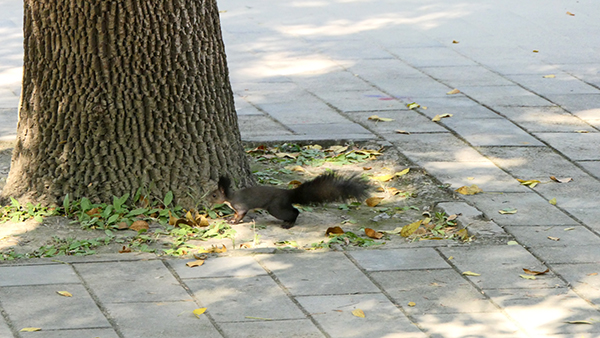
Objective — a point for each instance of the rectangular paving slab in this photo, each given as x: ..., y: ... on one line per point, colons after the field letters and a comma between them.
x: 218, y: 267
x: 490, y: 132
x: 547, y: 311
x: 399, y: 259
x: 407, y: 120
x: 77, y: 333
x: 553, y: 236
x: 318, y: 274
x: 460, y: 325
x: 432, y: 291
x: 571, y: 254
x: 544, y: 119
x: 159, y: 320
x: 236, y: 299
x: 37, y: 274
x: 434, y: 147
x: 576, y: 146
x: 132, y: 281
x: 500, y: 266
x: 584, y: 278
x: 296, y: 328
x: 382, y: 318
x: 41, y: 306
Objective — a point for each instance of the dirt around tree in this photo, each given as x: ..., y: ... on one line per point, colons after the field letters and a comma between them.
x: 408, y: 196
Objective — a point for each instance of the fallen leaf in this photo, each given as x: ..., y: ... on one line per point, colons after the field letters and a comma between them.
x: 298, y: 169
x: 529, y: 183
x: 380, y: 119
x: 367, y: 168
x: 452, y: 217
x: 471, y: 273
x: 437, y: 118
x: 472, y: 190
x: 508, y: 211
x: 195, y: 263
x: 556, y: 239
x: 413, y: 105
x: 411, y: 304
x: 334, y: 231
x: 358, y: 313
x: 582, y: 131
x: 561, y: 180
x: 536, y: 51
x: 450, y: 258
x: 398, y: 131
x: 30, y: 329
x: 570, y: 14
x: 408, y: 230
x: 550, y: 76
x: 527, y: 277
x: 453, y: 91
x: 199, y: 311
x: 292, y: 156
x: 139, y: 225
x: 246, y: 245
x: 402, y: 173
x: 552, y: 201
x: 533, y: 272
x: 578, y: 322
x: 125, y: 250
x: 593, y: 274
x: 512, y: 243
x: 122, y: 226
x: 384, y: 178
x: 454, y: 41
x: 214, y: 249
x: 373, y: 201
x: 373, y: 234
x: 337, y: 149
x: 568, y: 229
x: 64, y: 293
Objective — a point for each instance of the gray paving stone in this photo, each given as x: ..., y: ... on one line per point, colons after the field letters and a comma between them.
x: 546, y: 311
x: 569, y: 236
x: 219, y: 267
x: 573, y: 254
x: 297, y: 328
x: 335, y: 82
x: 545, y: 119
x: 494, y: 96
x: 562, y: 84
x: 317, y: 113
x: 40, y: 306
x: 473, y: 220
x: 584, y: 278
x: 484, y: 174
x: 159, y: 320
x: 589, y: 216
x: 77, y: 333
x: 359, y: 100
x: 576, y: 146
x: 336, y: 273
x: 382, y: 318
x: 459, y: 325
x: 574, y: 194
x: 593, y: 167
x: 501, y: 267
x: 490, y: 132
x: 259, y: 126
x: 466, y: 76
x: 132, y: 281
x: 461, y: 112
x: 380, y: 69
x: 399, y: 259
x: 330, y: 129
x: 434, y: 147
x: 406, y: 120
x: 531, y: 209
x: 582, y: 105
x: 407, y: 89
x: 433, y: 291
x: 4, y: 329
x: 533, y: 163
x: 236, y: 299
x: 431, y: 57
x: 30, y: 275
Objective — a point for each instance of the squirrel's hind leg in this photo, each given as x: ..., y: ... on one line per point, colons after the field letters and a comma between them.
x: 286, y: 213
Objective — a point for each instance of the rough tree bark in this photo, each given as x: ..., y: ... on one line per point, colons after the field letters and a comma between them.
x: 122, y: 94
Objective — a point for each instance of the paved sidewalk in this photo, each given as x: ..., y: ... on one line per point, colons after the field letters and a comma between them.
x: 528, y: 108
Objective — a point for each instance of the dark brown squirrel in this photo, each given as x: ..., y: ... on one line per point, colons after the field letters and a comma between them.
x: 327, y: 187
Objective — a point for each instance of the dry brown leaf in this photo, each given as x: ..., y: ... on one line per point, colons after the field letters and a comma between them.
x: 593, y: 274
x: 195, y: 263
x: 373, y: 201
x: 214, y: 249
x: 295, y: 183
x: 139, y: 225
x: 472, y: 190
x: 556, y: 239
x: 453, y: 91
x: 125, y: 250
x: 454, y: 41
x: 536, y: 51
x: 373, y: 234
x: 398, y: 131
x: 122, y: 226
x: 452, y: 217
x: 367, y: 168
x: 380, y: 119
x: 93, y: 212
x: 561, y: 180
x: 358, y: 313
x: 570, y: 14
x: 532, y: 272
x: 298, y: 169
x: 248, y: 245
x: 408, y: 230
x: 334, y: 231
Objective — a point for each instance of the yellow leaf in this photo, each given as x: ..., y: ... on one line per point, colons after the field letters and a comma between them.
x: 413, y: 105
x: 550, y: 76
x: 527, y: 277
x: 453, y: 91
x: 556, y: 239
x: 454, y: 41
x: 358, y: 313
x: 535, y: 273
x: 408, y: 230
x: 380, y: 119
x: 529, y: 183
x: 411, y: 304
x: 298, y: 169
x: 508, y: 211
x: 64, y: 293
x: 512, y: 243
x: 384, y: 178
x: 450, y: 258
x: 437, y: 118
x: 471, y: 273
x: 552, y: 201
x: 472, y: 190
x: 199, y: 311
x: 402, y: 173
x: 373, y: 201
x: 30, y: 329
x: 568, y: 229
x: 195, y: 263
x: 570, y: 14
x: 536, y: 51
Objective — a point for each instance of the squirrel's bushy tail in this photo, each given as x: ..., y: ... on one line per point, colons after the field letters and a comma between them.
x: 329, y: 187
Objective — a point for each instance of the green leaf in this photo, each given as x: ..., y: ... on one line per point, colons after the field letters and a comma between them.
x: 85, y: 204
x: 168, y: 198
x: 118, y: 202
x: 66, y: 203
x: 112, y: 219
x: 15, y: 203
x: 136, y: 212
x: 38, y: 218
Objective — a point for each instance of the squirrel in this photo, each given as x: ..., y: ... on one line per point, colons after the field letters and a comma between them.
x: 327, y: 187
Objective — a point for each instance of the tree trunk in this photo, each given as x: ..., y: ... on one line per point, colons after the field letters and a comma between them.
x: 124, y: 94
